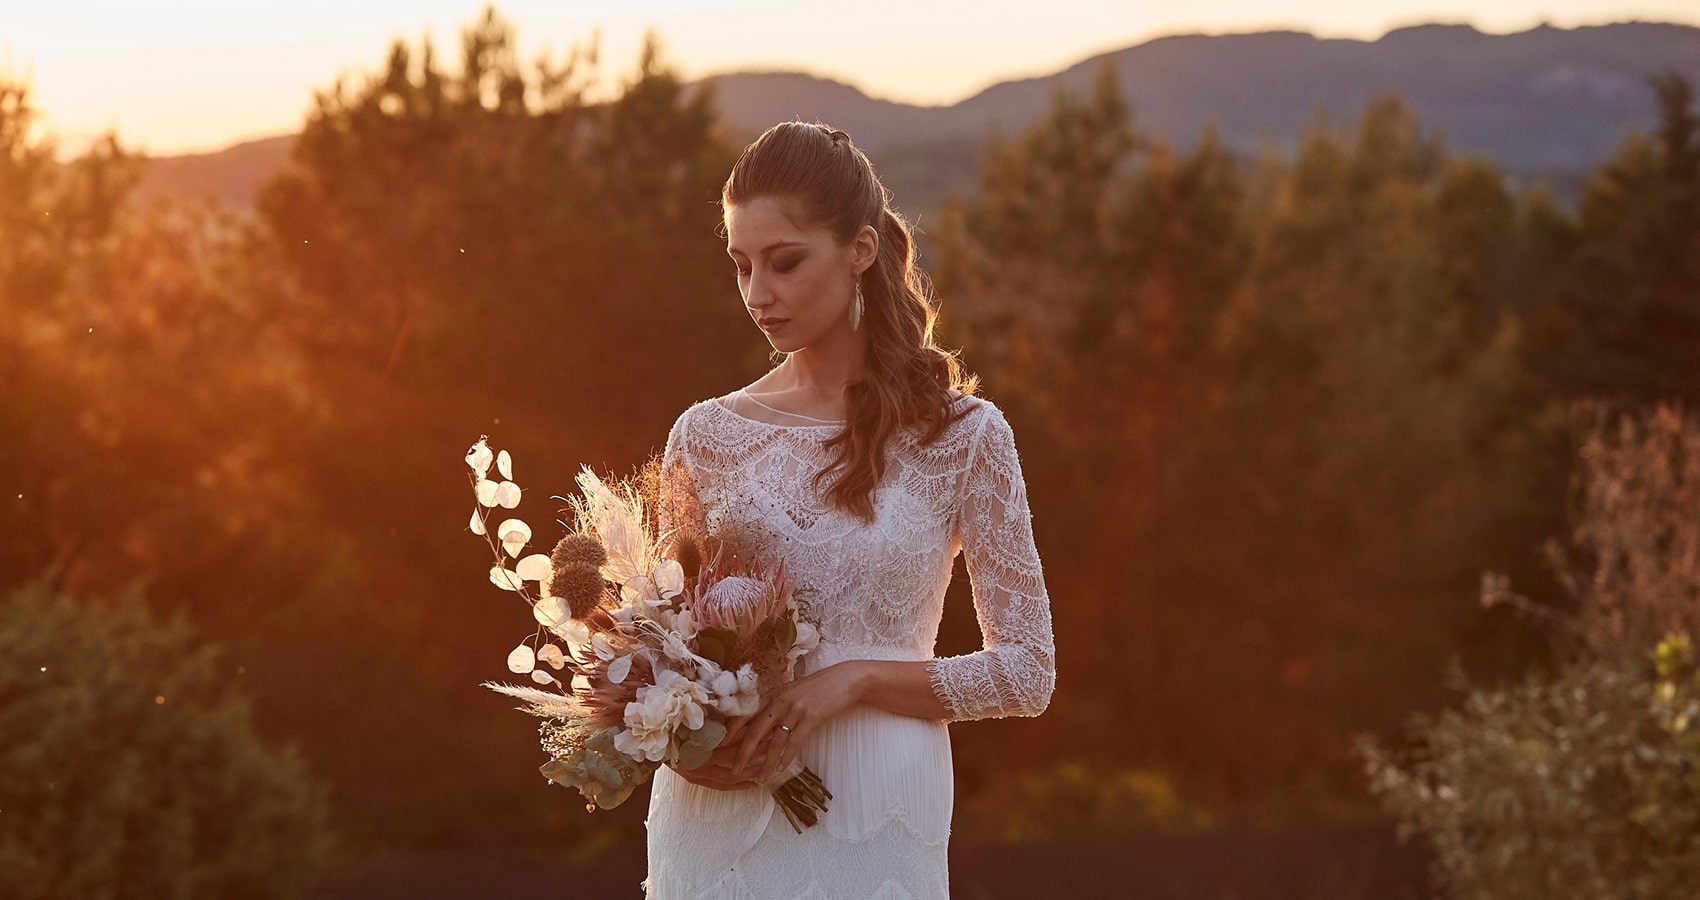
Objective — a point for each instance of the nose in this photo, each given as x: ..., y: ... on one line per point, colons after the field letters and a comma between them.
x: 756, y: 294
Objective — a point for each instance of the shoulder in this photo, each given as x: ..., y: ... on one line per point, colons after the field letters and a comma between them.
x: 990, y: 438
x: 694, y: 414
x: 976, y: 423
x: 976, y: 416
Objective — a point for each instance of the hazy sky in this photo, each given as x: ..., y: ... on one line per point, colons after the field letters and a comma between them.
x: 200, y: 74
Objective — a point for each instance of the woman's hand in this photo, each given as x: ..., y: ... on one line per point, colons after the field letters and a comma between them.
x: 768, y: 741
x: 717, y: 773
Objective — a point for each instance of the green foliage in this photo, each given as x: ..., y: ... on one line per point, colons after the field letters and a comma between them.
x: 1584, y: 783
x: 130, y: 336
x: 1627, y: 317
x: 254, y: 413
x: 1579, y: 785
x: 1074, y: 798
x: 1670, y: 819
x: 55, y: 217
x: 448, y: 219
x: 1277, y: 413
x: 1293, y: 407
x: 129, y: 766
x: 1633, y: 558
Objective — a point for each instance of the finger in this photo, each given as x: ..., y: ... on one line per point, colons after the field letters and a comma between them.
x: 715, y: 777
x: 780, y: 752
x: 757, y: 732
x: 734, y: 727
x: 786, y: 745
x: 750, y: 742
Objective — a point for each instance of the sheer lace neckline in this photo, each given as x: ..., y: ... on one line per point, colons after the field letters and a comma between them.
x: 774, y: 409
x: 824, y: 424
x: 743, y: 417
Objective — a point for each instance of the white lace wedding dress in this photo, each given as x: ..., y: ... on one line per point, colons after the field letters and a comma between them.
x: 877, y: 592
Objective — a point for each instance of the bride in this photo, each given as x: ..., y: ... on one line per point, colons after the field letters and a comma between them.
x: 865, y: 462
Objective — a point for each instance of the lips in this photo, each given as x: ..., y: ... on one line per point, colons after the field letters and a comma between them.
x: 771, y: 324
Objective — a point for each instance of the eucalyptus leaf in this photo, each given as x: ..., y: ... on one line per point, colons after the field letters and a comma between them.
x: 698, y: 745
x: 716, y: 644
x: 602, y: 742
x: 560, y: 773
x: 610, y: 797
x: 602, y: 769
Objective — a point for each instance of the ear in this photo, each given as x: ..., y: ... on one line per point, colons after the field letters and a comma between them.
x: 864, y: 248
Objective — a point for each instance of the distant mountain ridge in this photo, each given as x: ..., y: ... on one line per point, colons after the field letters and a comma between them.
x: 1547, y: 102
x: 231, y: 176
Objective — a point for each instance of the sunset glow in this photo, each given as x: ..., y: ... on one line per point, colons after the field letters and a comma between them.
x: 200, y: 75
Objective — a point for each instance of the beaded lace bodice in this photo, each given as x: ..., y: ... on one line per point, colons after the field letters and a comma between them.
x: 877, y: 589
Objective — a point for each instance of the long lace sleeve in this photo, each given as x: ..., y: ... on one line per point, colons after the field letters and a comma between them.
x: 678, y: 508
x: 1014, y: 673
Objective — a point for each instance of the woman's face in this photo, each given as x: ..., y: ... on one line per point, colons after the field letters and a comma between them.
x: 797, y: 281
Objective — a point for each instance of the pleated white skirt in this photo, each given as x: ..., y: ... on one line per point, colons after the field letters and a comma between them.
x: 884, y: 836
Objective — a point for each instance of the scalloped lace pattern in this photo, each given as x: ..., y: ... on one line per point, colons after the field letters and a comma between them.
x: 877, y: 592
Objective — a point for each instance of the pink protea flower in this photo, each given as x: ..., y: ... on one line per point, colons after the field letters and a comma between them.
x: 740, y: 598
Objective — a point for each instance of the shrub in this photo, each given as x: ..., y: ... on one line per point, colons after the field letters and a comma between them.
x: 1585, y: 782
x: 129, y: 766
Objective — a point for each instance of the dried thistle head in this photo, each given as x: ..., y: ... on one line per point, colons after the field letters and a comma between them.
x: 578, y: 550
x: 687, y: 551
x: 581, y: 586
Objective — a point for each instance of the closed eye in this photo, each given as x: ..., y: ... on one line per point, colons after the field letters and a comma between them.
x: 781, y: 268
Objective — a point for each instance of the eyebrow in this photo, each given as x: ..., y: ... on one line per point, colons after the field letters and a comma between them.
x: 776, y: 245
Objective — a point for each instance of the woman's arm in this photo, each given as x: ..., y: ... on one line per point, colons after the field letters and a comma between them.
x: 1014, y: 672
x: 897, y: 686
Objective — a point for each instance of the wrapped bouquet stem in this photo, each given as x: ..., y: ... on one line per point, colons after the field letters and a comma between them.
x: 800, y: 794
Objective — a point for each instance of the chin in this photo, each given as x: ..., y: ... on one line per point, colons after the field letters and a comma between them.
x: 783, y: 343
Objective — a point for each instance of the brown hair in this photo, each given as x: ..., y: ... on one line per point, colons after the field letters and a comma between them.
x: 909, y: 378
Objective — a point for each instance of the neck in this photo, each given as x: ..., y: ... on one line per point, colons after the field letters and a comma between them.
x: 822, y: 370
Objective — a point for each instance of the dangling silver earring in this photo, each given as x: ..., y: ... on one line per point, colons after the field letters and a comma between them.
x: 856, y: 308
